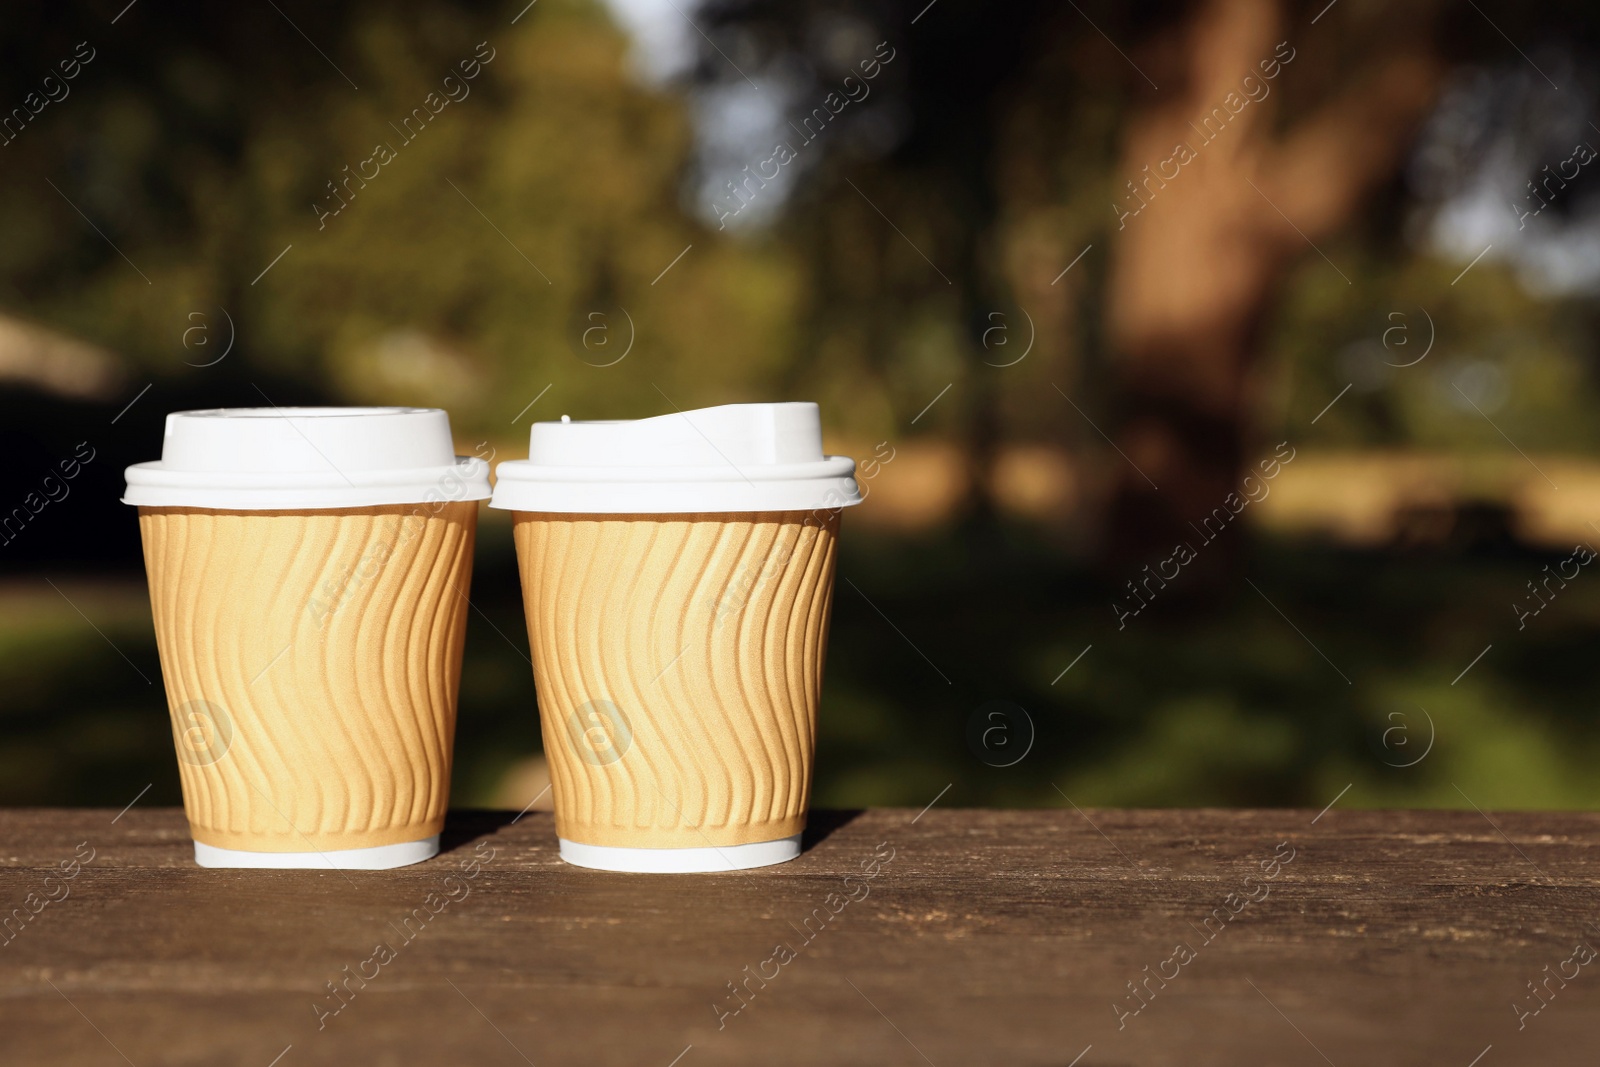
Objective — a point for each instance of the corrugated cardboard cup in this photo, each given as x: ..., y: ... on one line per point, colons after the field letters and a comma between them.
x: 678, y: 578
x: 308, y: 570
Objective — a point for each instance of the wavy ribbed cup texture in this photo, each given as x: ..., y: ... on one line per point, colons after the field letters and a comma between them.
x: 678, y: 660
x: 312, y: 661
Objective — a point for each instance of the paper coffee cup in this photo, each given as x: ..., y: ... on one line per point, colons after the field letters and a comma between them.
x: 678, y: 577
x: 309, y: 571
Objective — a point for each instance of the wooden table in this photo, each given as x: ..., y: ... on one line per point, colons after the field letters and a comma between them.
x: 985, y: 937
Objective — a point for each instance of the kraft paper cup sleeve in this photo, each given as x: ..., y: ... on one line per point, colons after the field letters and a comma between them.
x: 308, y: 572
x: 678, y: 577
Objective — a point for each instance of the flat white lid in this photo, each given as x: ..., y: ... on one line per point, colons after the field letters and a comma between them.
x: 252, y: 459
x: 736, y: 457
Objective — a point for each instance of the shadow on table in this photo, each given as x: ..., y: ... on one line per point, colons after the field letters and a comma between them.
x: 820, y: 824
x: 465, y: 827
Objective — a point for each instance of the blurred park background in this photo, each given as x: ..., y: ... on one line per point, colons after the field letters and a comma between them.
x: 1309, y: 289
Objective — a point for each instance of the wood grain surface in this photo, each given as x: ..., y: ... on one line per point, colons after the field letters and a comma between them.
x: 989, y: 937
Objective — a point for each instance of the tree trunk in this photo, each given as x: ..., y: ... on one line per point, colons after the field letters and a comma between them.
x: 1217, y: 201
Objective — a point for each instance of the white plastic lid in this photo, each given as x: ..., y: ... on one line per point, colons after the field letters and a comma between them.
x: 737, y: 457
x: 252, y: 459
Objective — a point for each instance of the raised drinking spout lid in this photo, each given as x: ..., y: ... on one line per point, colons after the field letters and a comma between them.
x: 731, y: 458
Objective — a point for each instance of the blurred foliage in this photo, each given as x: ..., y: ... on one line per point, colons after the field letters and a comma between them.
x: 1529, y: 363
x: 464, y: 271
x: 1224, y: 706
x: 181, y: 175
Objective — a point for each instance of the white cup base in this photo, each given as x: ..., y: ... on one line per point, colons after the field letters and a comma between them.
x: 680, y: 860
x: 377, y: 858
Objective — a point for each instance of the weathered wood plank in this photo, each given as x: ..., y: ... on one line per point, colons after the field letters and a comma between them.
x: 989, y: 937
